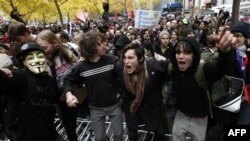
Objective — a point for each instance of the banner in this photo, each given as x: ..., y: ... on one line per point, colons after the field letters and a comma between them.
x: 146, y: 18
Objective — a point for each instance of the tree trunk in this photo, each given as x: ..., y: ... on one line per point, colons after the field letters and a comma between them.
x: 235, y: 15
x: 125, y: 8
x: 44, y: 21
x: 59, y: 12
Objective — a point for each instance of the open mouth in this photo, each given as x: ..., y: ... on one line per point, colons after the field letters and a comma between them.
x: 128, y: 67
x: 181, y: 64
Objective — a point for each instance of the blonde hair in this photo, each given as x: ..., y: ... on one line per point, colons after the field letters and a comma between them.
x: 61, y: 49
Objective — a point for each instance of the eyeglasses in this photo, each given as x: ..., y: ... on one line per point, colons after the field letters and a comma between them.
x: 238, y: 35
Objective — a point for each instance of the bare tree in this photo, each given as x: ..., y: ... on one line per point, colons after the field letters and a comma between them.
x: 59, y: 10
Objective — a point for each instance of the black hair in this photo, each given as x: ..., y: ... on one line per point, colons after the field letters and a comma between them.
x: 186, y: 47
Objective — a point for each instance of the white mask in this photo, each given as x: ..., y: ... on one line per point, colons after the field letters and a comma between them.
x: 35, y: 61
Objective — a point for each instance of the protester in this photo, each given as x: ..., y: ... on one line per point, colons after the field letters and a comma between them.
x: 239, y: 70
x: 18, y: 35
x: 241, y: 32
x: 19, y: 32
x: 192, y: 101
x: 35, y: 93
x: 142, y: 82
x: 98, y: 75
x: 61, y: 59
x: 162, y: 51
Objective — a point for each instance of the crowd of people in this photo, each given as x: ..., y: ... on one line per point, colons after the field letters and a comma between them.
x: 140, y: 76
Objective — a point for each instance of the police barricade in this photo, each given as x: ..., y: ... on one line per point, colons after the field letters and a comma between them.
x: 85, y: 132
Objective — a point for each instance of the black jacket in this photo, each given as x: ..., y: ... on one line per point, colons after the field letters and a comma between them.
x: 192, y: 99
x: 31, y: 102
x: 149, y: 112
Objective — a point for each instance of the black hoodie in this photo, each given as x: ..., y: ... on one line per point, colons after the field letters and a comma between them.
x: 192, y: 99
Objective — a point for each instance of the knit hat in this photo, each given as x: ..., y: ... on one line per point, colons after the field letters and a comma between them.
x: 5, y: 61
x: 164, y: 32
x: 243, y: 28
x: 26, y: 48
x: 4, y: 46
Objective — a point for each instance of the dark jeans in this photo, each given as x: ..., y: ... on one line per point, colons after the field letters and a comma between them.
x: 244, y: 115
x: 132, y: 123
x: 215, y: 133
x: 68, y: 117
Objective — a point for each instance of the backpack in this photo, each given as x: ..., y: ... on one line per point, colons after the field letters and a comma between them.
x: 225, y: 93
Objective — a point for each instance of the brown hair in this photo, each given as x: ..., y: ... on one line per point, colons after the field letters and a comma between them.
x: 17, y: 29
x: 139, y: 51
x: 212, y: 40
x: 89, y: 42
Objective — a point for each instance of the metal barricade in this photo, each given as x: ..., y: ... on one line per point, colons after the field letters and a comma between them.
x: 85, y: 132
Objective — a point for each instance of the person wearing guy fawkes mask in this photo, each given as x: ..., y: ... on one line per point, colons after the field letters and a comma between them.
x: 32, y: 94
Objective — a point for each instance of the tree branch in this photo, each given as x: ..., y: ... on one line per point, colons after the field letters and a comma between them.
x: 62, y: 3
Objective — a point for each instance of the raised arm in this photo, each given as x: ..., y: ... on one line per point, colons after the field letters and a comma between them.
x: 225, y: 40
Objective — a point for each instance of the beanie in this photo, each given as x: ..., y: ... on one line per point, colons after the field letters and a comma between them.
x: 243, y: 28
x: 164, y: 32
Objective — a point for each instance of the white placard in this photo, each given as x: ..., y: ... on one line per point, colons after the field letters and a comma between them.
x: 146, y: 18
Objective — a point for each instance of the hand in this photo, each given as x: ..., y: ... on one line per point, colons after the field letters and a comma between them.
x: 71, y: 100
x: 225, y: 40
